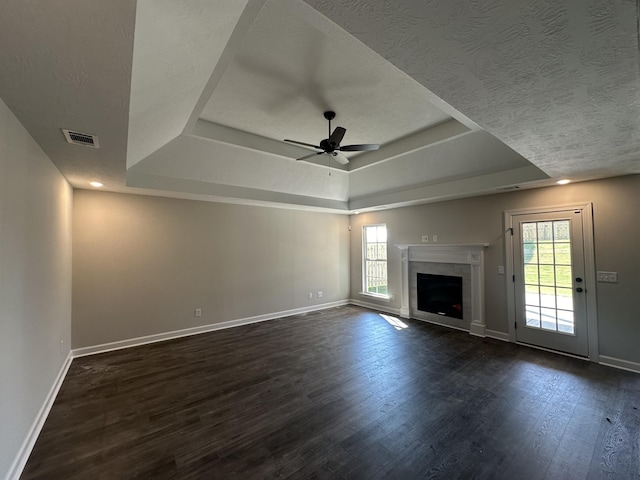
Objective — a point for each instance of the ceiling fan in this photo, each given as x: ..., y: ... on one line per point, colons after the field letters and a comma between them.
x: 331, y: 146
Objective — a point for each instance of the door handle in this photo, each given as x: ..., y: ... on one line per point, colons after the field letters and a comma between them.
x: 579, y: 289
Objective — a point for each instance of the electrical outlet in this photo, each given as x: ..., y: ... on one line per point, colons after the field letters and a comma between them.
x: 608, y: 277
x: 500, y: 269
x: 320, y: 293
x: 425, y: 238
x: 310, y: 294
x: 198, y: 312
x: 435, y: 238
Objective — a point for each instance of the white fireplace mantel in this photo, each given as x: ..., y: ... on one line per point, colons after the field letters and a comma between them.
x: 467, y: 253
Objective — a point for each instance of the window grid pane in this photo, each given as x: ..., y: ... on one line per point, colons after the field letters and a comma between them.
x: 548, y: 295
x: 375, y: 259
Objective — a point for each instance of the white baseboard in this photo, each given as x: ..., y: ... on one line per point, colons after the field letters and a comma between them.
x: 32, y: 435
x: 160, y: 337
x: 619, y: 363
x: 498, y: 335
x: 375, y: 306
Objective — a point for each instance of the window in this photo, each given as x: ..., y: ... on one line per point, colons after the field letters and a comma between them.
x: 375, y: 260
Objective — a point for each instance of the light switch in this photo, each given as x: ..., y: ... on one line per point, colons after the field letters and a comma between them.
x: 608, y: 277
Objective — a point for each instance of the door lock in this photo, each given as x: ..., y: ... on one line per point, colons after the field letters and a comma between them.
x: 579, y: 289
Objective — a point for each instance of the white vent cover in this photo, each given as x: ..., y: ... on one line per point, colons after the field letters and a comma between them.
x: 78, y: 138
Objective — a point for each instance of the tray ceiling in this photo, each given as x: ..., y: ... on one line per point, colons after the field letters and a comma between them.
x: 193, y: 99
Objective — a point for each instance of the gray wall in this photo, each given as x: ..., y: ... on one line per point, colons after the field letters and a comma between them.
x: 480, y: 219
x: 35, y: 281
x: 142, y: 264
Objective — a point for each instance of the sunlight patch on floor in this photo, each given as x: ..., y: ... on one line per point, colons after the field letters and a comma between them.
x: 394, y: 322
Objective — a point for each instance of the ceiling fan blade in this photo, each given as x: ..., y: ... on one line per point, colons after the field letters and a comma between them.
x: 367, y: 147
x: 341, y: 159
x: 337, y: 135
x: 309, y: 156
x: 302, y: 143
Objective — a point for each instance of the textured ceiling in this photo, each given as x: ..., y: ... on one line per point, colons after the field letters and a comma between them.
x: 193, y: 98
x: 557, y: 81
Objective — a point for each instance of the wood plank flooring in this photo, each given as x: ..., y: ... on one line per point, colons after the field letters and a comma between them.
x: 340, y: 393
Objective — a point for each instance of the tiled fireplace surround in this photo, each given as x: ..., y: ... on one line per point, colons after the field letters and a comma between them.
x: 460, y: 260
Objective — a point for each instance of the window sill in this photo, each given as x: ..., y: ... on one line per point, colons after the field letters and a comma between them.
x: 378, y: 296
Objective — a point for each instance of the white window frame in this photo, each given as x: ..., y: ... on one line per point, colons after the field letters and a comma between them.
x: 365, y: 291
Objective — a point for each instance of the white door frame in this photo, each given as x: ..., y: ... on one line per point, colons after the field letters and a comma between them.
x: 589, y: 269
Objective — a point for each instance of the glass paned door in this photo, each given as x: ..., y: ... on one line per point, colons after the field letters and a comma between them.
x: 548, y: 298
x: 549, y: 286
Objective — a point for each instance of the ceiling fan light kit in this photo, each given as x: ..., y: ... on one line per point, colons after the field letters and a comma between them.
x: 331, y: 145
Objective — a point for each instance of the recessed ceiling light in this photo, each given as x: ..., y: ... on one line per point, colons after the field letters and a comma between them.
x: 563, y: 182
x: 96, y: 184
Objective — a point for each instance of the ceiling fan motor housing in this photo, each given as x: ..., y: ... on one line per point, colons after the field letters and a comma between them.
x: 327, y: 146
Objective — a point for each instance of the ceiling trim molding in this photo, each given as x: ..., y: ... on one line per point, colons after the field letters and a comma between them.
x: 443, y: 132
x: 428, y: 137
x: 239, y: 138
x: 234, y: 194
x: 447, y: 190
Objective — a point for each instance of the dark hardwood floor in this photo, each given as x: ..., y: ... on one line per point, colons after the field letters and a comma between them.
x: 340, y: 394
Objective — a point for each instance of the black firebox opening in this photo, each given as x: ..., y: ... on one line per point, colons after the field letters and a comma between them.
x: 440, y: 294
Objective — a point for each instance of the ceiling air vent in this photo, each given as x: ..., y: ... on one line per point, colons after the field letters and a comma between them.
x: 78, y: 138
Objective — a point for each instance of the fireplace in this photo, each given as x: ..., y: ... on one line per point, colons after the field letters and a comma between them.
x: 440, y: 294
x: 463, y: 262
